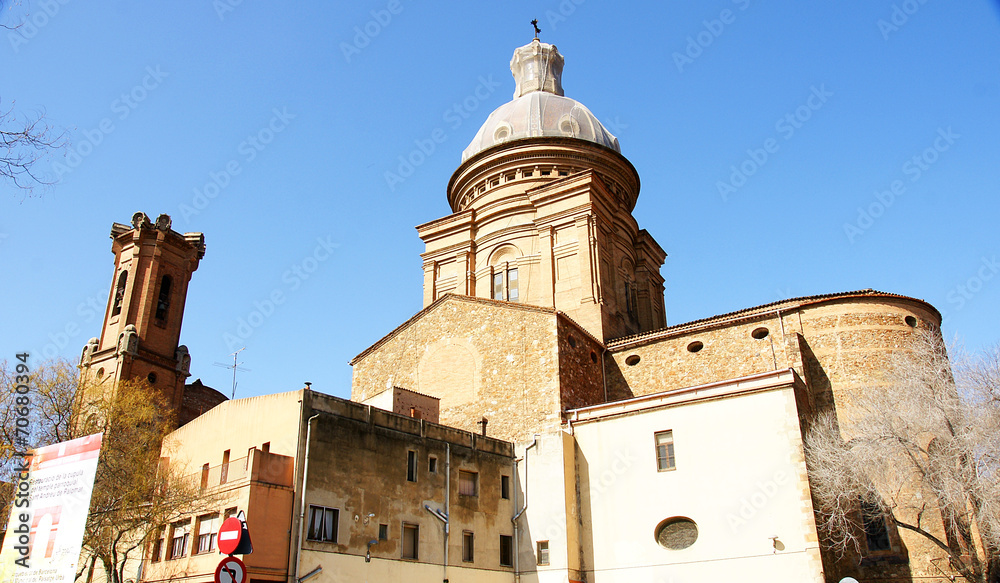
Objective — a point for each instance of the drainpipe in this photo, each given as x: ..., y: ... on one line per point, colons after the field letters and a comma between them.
x: 447, y: 504
x: 517, y: 568
x: 302, y: 505
x: 445, y: 517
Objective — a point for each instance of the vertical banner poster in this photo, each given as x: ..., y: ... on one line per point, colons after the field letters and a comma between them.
x: 45, y: 532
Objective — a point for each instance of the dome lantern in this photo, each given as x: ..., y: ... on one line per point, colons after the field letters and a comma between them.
x: 539, y: 108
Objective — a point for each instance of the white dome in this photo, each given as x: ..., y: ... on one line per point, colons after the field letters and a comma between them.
x: 540, y: 114
x: 539, y: 108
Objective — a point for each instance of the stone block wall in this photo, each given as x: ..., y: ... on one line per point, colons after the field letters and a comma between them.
x: 482, y: 358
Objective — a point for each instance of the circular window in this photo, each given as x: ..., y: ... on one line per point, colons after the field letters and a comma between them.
x: 151, y: 377
x: 632, y: 360
x: 100, y: 372
x: 676, y: 533
x: 593, y: 357
x: 572, y: 341
x: 695, y: 346
x: 501, y: 133
x: 760, y: 333
x: 911, y: 321
x: 569, y: 126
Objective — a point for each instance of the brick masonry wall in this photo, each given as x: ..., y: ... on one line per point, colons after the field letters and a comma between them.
x: 580, y: 371
x: 198, y: 399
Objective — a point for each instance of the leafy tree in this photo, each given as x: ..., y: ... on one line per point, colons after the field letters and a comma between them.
x: 922, y: 447
x: 133, y: 493
x: 52, y: 390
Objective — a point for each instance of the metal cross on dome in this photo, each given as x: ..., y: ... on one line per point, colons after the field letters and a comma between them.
x: 535, y: 24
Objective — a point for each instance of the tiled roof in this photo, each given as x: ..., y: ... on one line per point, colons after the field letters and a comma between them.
x: 755, y: 311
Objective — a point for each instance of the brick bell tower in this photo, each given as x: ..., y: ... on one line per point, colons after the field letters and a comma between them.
x: 142, y: 323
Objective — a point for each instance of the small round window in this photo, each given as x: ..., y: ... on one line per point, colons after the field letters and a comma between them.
x: 676, y: 533
x: 572, y: 341
x: 632, y: 360
x: 501, y: 133
x: 911, y: 321
x: 593, y: 357
x: 695, y: 346
x: 760, y: 333
x: 151, y: 377
x: 569, y: 126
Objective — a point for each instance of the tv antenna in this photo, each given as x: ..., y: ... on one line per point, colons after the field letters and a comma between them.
x: 234, y: 367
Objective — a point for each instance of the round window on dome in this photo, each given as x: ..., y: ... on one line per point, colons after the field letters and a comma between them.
x: 502, y: 133
x: 569, y: 126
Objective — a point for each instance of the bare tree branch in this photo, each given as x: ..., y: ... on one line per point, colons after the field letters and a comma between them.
x: 923, y: 445
x: 24, y: 142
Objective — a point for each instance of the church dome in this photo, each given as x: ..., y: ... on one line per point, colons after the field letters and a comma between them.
x: 539, y: 108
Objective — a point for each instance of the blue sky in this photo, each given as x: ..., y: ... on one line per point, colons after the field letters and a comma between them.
x: 784, y: 148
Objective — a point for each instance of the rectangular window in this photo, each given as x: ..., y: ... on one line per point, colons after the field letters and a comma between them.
x: 225, y: 467
x: 323, y: 524
x: 208, y: 529
x: 157, y: 551
x: 512, y: 284
x: 468, y: 483
x: 468, y: 547
x: 432, y: 465
x: 383, y: 532
x: 229, y: 512
x: 665, y: 451
x: 506, y: 550
x: 876, y: 533
x: 411, y: 466
x: 179, y: 536
x: 411, y: 540
x: 505, y: 487
x: 498, y: 286
x: 543, y: 552
x: 204, y: 476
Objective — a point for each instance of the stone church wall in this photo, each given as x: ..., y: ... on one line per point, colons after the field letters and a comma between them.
x: 482, y: 358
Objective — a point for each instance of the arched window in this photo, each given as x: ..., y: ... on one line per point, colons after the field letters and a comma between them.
x: 163, y: 299
x: 505, y: 278
x: 120, y: 293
